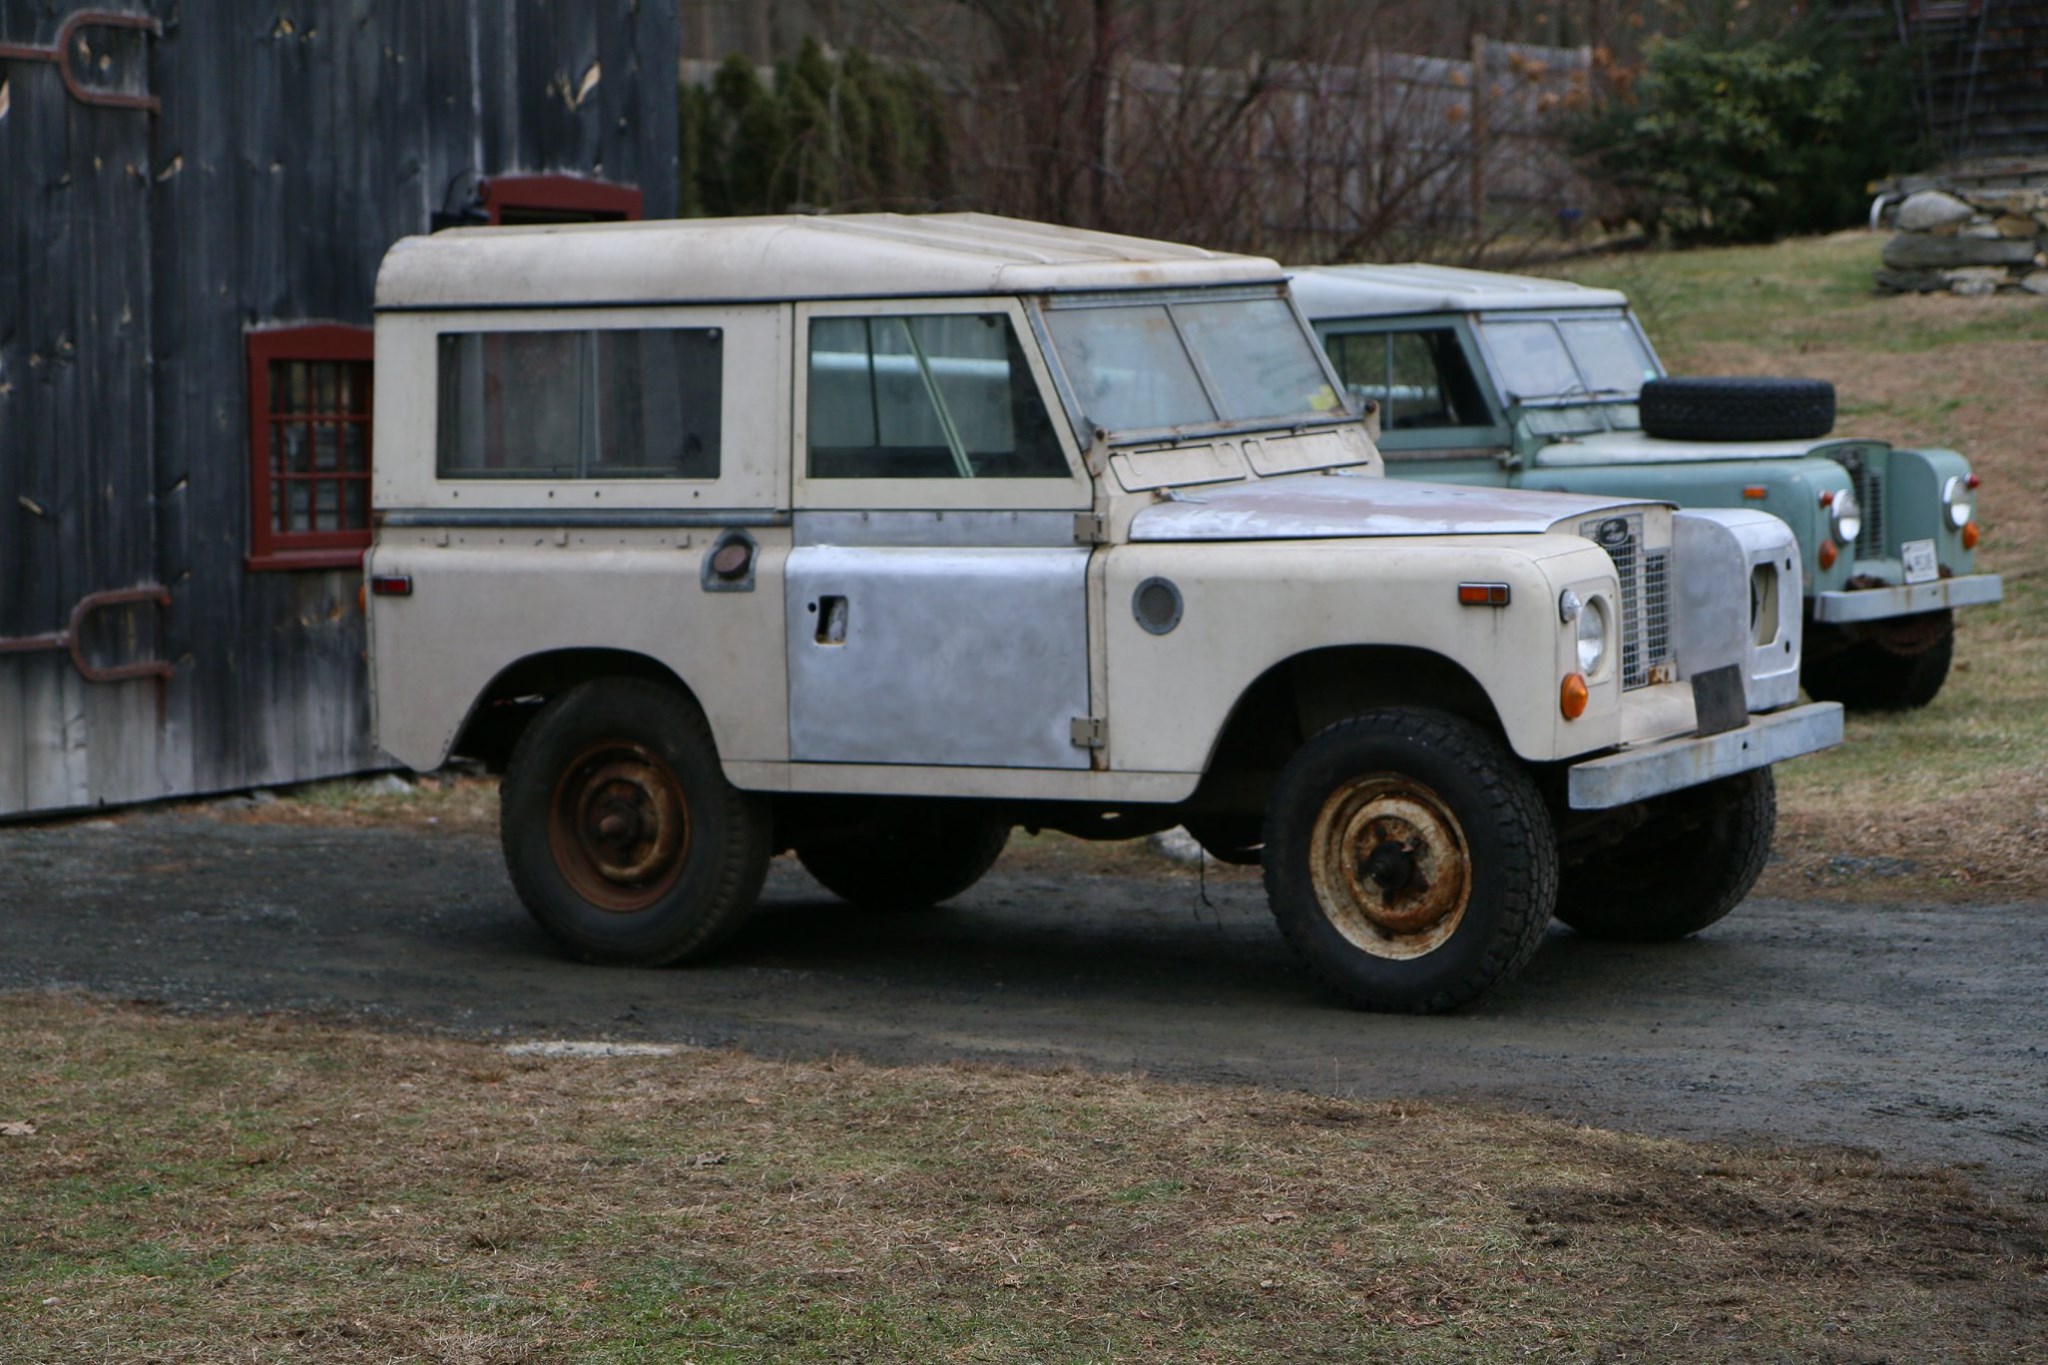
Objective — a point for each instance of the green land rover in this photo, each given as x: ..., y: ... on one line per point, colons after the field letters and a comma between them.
x: 1533, y: 383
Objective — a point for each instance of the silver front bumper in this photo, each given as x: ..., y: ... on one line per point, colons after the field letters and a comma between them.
x: 1670, y: 765
x: 1881, y: 604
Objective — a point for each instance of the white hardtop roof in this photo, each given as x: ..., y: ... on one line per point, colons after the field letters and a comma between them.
x: 794, y: 257
x: 1342, y: 291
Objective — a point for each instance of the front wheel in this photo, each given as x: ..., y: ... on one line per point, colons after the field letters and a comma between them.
x: 1692, y: 860
x: 620, y: 832
x: 1409, y: 860
x: 1869, y: 676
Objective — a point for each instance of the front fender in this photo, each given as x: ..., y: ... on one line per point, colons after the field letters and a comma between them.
x: 1247, y: 606
x: 1913, y: 481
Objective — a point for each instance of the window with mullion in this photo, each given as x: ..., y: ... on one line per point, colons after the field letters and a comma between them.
x: 310, y: 413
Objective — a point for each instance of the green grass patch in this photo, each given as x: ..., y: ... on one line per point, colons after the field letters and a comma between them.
x: 1797, y: 295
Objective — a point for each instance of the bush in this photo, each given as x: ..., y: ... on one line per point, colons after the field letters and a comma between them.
x: 1746, y: 141
x: 850, y: 134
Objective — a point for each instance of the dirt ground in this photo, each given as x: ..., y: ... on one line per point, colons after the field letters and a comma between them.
x: 1913, y: 1032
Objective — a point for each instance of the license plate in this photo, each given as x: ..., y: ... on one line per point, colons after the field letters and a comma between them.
x: 1919, y: 558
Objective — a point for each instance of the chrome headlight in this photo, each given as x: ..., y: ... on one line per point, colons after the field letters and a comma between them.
x: 1592, y: 634
x: 1848, y: 516
x: 1955, y: 496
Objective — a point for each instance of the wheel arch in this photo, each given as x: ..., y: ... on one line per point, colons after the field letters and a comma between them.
x: 510, y: 701
x: 1306, y: 692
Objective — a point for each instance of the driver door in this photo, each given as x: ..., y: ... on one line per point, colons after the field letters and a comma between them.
x: 936, y: 602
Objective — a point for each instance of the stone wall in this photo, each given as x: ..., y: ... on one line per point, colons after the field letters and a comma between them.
x: 1967, y: 240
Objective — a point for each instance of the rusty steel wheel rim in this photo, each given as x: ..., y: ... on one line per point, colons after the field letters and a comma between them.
x: 1390, y: 866
x: 618, y: 827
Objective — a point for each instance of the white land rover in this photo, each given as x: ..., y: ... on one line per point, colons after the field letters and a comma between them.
x: 874, y: 537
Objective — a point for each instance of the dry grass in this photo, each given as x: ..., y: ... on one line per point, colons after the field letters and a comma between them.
x: 234, y: 1191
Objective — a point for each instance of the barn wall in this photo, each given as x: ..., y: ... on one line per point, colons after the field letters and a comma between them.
x: 297, y: 140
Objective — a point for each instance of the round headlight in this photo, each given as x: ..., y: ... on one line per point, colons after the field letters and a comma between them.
x: 1592, y: 632
x: 1848, y: 516
x: 1955, y: 496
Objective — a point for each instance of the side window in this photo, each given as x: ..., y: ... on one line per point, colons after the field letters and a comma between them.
x: 1420, y: 378
x: 309, y: 446
x: 1433, y: 385
x: 1360, y: 359
x: 933, y: 396
x: 625, y: 404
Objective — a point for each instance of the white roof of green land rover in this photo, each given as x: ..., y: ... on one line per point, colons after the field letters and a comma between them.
x: 794, y: 257
x: 1349, y: 291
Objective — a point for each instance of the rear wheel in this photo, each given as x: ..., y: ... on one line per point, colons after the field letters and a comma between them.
x: 1694, y: 858
x: 1409, y: 860
x: 620, y: 832
x: 907, y: 858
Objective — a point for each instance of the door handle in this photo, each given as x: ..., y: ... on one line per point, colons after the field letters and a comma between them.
x: 831, y: 620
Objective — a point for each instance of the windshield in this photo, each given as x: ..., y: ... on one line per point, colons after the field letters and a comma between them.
x: 1599, y: 358
x: 1159, y: 365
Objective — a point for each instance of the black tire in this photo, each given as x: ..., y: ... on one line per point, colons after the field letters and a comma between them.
x: 1738, y: 409
x: 1239, y: 840
x: 620, y: 832
x: 905, y: 859
x: 1409, y: 860
x: 1692, y: 861
x: 1868, y: 677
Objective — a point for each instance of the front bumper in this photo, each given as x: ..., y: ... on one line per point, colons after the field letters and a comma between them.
x: 1906, y: 599
x: 1670, y: 765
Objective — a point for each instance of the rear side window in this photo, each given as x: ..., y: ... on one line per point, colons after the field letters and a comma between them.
x: 623, y: 404
x: 935, y: 396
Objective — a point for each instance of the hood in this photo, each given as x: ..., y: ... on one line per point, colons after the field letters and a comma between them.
x: 1633, y: 447
x: 1317, y: 506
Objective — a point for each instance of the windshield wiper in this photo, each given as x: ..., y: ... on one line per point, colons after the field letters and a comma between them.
x: 1576, y: 397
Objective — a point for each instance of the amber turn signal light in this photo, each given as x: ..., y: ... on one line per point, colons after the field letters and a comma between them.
x: 1828, y: 554
x: 1971, y: 535
x: 1573, y: 696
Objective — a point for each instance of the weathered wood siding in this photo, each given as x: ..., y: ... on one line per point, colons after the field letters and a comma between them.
x: 297, y: 140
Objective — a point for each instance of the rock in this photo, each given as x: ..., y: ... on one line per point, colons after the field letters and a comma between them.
x: 2014, y: 201
x: 1931, y: 209
x: 1911, y: 281
x: 1918, y: 251
x: 1176, y: 846
x: 2015, y: 225
x: 390, y: 784
x: 1981, y: 232
x: 1946, y: 230
x: 1975, y: 281
x: 2036, y: 283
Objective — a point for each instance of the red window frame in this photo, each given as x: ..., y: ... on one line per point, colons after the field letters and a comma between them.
x: 270, y: 546
x: 560, y: 198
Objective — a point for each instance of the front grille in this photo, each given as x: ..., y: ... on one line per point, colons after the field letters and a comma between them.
x: 1870, y: 495
x: 1645, y: 597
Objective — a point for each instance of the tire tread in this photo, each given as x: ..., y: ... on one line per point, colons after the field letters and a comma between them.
x: 1528, y: 895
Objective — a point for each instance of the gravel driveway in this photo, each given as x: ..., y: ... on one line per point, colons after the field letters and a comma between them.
x: 1916, y: 1032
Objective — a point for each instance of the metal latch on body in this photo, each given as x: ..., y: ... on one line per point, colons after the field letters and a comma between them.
x: 72, y: 637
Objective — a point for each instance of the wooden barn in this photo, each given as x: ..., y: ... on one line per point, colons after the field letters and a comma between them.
x: 194, y: 199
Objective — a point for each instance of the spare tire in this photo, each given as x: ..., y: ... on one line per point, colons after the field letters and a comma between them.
x: 1738, y: 409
